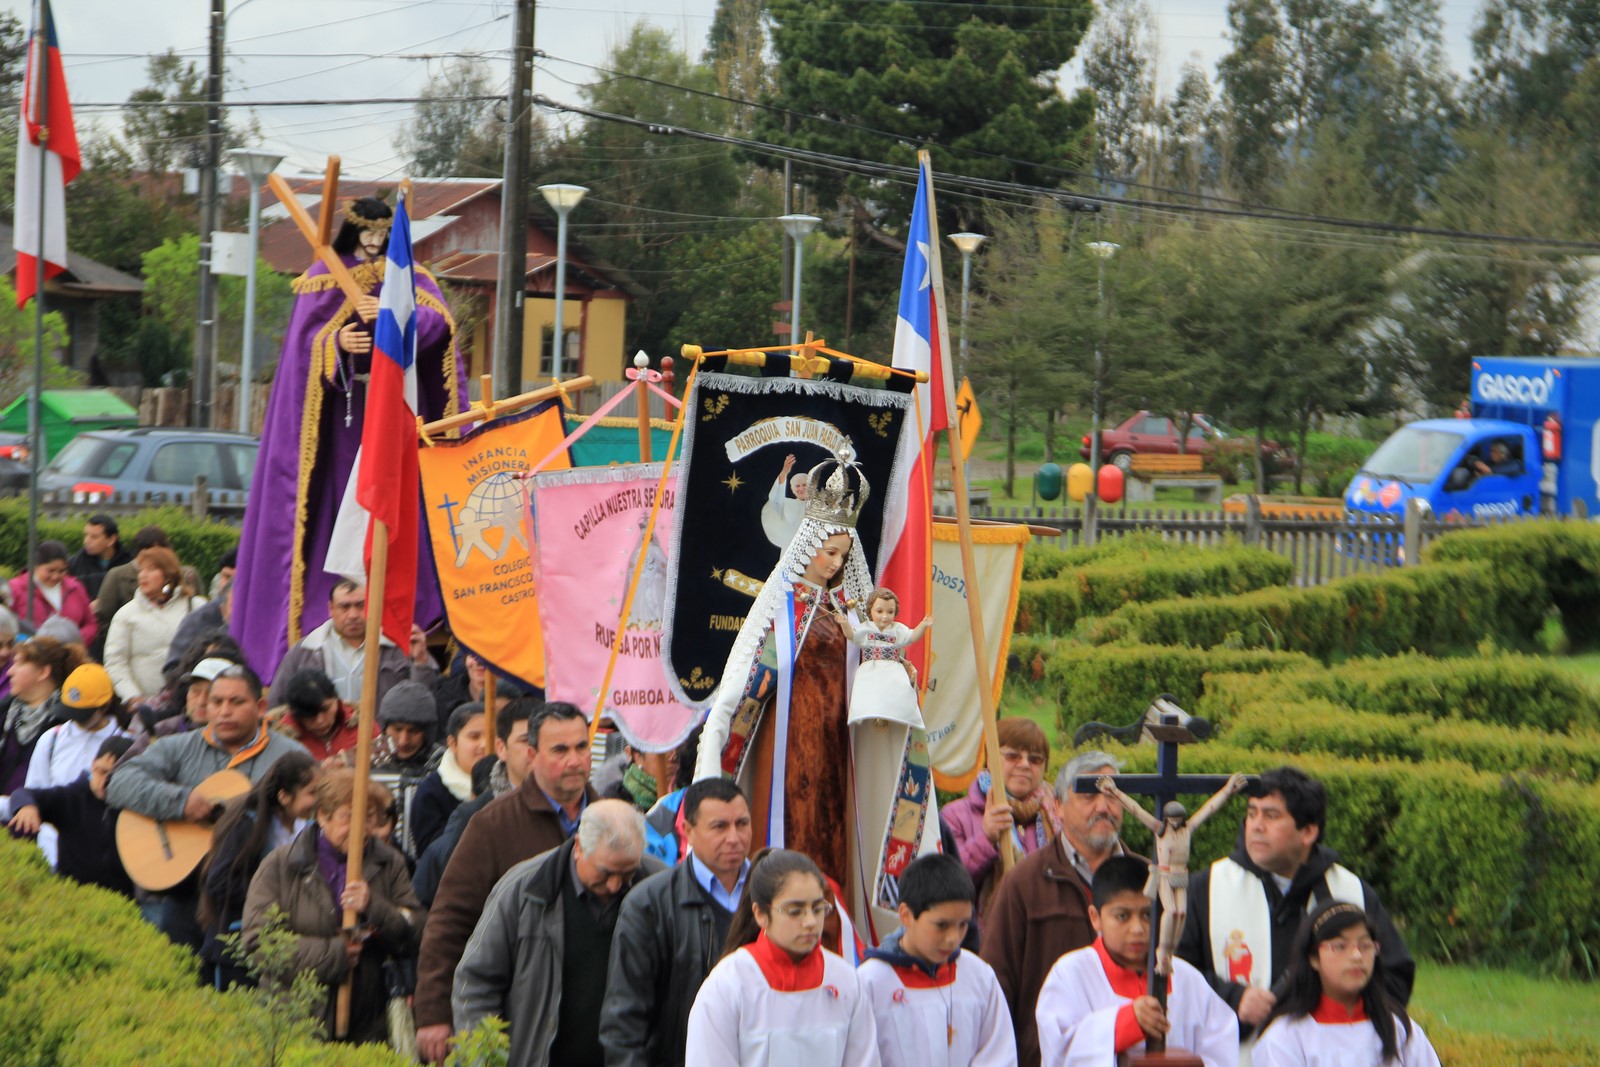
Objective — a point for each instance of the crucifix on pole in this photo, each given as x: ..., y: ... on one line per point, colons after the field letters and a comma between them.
x: 1169, y: 726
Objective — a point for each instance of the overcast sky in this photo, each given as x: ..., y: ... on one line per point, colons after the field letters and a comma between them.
x: 343, y: 49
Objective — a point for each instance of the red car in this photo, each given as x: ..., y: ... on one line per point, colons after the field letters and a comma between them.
x: 1150, y: 433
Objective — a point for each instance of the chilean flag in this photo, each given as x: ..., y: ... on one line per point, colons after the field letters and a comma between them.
x: 921, y: 342
x: 386, y: 475
x: 46, y: 131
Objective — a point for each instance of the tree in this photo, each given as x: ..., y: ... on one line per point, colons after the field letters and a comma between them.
x: 1188, y: 133
x: 731, y: 299
x: 13, y: 62
x: 1119, y: 63
x: 454, y: 137
x: 115, y: 214
x: 1255, y: 112
x: 736, y: 48
x: 16, y: 347
x: 167, y: 138
x: 171, y: 294
x: 651, y: 196
x: 979, y: 80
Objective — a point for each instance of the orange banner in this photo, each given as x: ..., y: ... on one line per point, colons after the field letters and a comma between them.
x: 476, y: 502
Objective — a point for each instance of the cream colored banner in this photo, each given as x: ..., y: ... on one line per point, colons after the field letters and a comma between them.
x: 951, y: 707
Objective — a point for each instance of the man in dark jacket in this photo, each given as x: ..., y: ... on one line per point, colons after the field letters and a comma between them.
x: 532, y: 958
x: 538, y: 817
x: 1041, y: 909
x: 1244, y: 910
x: 102, y: 549
x: 671, y: 932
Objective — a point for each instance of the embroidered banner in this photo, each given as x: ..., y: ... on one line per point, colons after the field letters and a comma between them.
x: 589, y: 535
x: 747, y: 445
x: 951, y: 707
x: 473, y: 496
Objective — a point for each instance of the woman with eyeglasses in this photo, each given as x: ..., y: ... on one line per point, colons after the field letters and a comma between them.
x: 778, y: 996
x: 1337, y: 1010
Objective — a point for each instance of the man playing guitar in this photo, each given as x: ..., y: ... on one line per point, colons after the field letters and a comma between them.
x: 168, y: 792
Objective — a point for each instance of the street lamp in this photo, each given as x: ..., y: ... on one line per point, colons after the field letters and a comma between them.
x: 797, y: 226
x: 563, y: 198
x: 966, y: 243
x: 255, y: 164
x: 1102, y: 250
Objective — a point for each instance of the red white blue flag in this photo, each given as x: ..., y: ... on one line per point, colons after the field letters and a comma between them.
x: 386, y: 477
x: 920, y: 343
x: 46, y: 138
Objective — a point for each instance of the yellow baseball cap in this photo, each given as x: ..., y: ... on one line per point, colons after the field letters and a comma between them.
x: 87, y: 687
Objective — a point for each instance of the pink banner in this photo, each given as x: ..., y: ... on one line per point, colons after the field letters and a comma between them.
x: 588, y: 527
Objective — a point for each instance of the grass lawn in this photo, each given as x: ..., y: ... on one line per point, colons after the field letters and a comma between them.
x: 1506, y: 1003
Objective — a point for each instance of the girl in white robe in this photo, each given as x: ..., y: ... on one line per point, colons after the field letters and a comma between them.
x: 1337, y: 1010
x: 779, y: 999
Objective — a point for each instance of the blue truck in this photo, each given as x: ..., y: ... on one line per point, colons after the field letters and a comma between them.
x: 1527, y: 443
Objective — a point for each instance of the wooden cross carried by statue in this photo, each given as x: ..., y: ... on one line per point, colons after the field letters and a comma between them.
x: 1169, y: 726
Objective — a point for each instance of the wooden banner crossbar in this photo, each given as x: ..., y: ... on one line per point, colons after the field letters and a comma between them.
x: 816, y: 362
x: 490, y: 408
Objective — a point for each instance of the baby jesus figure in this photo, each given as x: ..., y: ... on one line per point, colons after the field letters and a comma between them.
x: 884, y: 687
x: 1169, y: 874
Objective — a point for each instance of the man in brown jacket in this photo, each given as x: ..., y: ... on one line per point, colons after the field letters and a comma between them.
x: 1041, y: 909
x: 540, y: 815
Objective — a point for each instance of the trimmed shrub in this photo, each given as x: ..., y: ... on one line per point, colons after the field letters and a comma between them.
x: 1041, y: 561
x: 1055, y: 605
x: 1565, y: 556
x: 199, y: 544
x: 1498, y: 868
x: 84, y: 981
x: 1435, y: 609
x: 1116, y: 683
x: 1489, y: 1050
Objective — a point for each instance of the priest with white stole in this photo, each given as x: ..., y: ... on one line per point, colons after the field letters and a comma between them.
x: 935, y: 1003
x: 1094, y: 1005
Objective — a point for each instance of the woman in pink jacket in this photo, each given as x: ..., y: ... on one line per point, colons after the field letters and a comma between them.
x: 54, y: 592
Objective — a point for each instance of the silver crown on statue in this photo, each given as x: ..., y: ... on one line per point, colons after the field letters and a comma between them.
x: 838, y: 490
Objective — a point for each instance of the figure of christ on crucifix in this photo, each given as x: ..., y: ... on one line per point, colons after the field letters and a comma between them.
x: 1169, y: 874
x: 314, y: 421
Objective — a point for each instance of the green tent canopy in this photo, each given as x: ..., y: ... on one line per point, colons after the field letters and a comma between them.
x: 68, y: 412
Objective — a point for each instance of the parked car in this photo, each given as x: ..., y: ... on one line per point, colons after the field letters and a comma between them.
x: 1149, y: 433
x: 15, y: 469
x: 151, y: 460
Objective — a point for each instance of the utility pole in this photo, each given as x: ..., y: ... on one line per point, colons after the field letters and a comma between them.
x: 205, y: 368
x: 513, y: 277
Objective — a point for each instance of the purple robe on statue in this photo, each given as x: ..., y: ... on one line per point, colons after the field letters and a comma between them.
x: 308, y: 444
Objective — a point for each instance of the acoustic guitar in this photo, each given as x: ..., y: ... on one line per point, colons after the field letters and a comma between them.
x: 160, y: 853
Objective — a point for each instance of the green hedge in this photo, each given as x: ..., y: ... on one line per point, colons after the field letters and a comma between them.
x: 199, y: 544
x: 1498, y: 868
x: 84, y: 981
x: 1565, y: 556
x: 1437, y: 609
x: 1054, y: 605
x: 1115, y: 683
x: 1041, y: 561
x: 1500, y: 688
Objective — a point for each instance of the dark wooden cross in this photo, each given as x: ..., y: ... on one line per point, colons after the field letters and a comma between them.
x: 1169, y: 726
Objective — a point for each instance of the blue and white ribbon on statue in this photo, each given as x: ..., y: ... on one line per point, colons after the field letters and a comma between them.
x: 780, y: 739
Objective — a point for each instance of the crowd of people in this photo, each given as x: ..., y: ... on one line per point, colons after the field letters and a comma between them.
x: 616, y: 915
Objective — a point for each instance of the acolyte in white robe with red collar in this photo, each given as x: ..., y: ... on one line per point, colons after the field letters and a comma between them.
x: 757, y: 1008
x: 1085, y: 1013
x: 956, y: 1017
x: 1332, y: 1037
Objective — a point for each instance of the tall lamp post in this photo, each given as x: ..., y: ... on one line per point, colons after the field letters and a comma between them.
x: 797, y: 226
x: 562, y: 198
x: 967, y: 244
x: 1102, y: 250
x: 255, y: 165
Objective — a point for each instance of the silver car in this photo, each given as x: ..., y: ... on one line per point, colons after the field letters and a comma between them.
x: 152, y: 461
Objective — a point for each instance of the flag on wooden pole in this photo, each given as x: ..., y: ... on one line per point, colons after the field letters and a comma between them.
x: 46, y: 130
x: 906, y: 559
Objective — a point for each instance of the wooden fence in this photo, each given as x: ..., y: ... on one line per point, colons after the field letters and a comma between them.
x: 201, y: 502
x: 1321, y: 549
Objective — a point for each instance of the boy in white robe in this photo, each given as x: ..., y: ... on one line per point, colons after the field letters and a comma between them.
x: 1094, y: 1006
x: 936, y: 1004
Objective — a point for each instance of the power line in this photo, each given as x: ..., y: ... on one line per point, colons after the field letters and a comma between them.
x: 1074, y: 199
x: 102, y: 105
